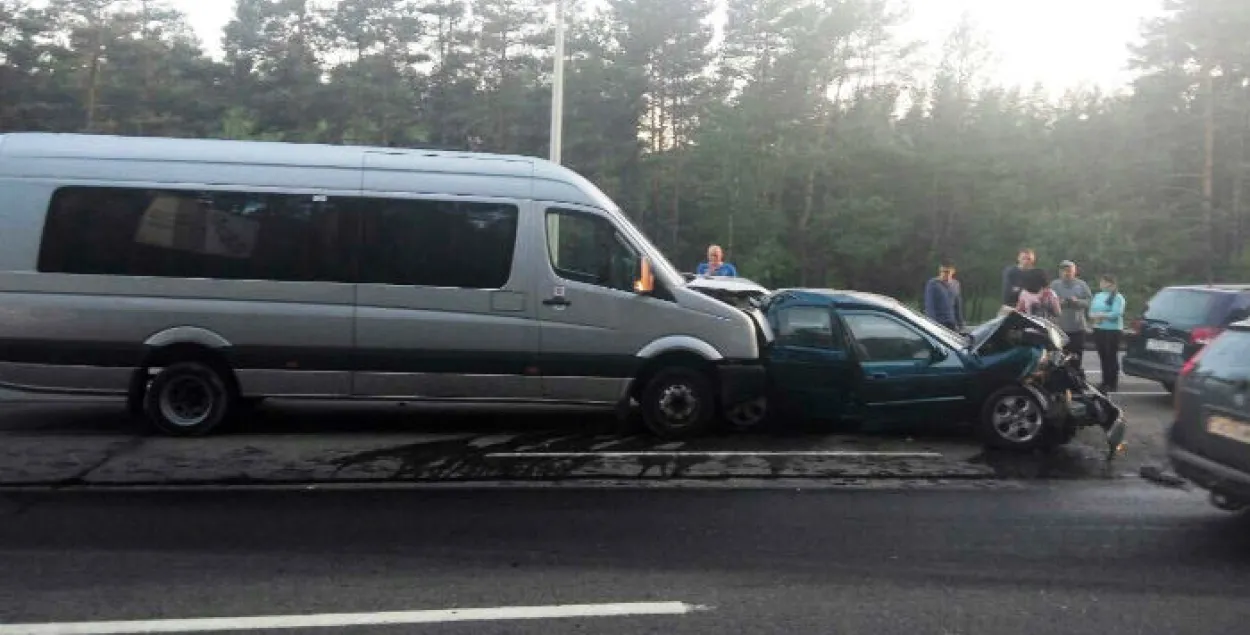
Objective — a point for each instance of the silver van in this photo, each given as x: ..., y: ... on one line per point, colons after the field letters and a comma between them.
x: 194, y: 277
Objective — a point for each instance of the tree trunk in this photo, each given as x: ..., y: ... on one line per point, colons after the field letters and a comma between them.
x: 93, y: 79
x: 146, y: 113
x: 809, y: 184
x: 1208, y: 172
x: 1239, y: 179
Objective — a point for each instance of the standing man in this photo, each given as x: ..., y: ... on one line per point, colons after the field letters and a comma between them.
x: 716, y: 265
x: 1074, y: 298
x: 942, y: 298
x: 1014, y: 276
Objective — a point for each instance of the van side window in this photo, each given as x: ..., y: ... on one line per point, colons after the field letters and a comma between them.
x: 587, y: 248
x: 195, y: 234
x: 437, y: 243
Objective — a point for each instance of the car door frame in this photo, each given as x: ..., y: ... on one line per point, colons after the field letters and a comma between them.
x: 941, y: 395
x: 792, y: 366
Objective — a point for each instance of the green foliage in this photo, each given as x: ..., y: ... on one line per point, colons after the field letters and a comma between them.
x: 807, y: 141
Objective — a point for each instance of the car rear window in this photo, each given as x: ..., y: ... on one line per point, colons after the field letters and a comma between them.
x: 1189, y: 307
x: 1229, y: 351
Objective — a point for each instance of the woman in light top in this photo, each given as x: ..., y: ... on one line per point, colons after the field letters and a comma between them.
x: 1106, y: 312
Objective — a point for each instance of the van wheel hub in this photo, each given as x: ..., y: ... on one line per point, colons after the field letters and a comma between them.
x: 187, y: 401
x: 679, y: 402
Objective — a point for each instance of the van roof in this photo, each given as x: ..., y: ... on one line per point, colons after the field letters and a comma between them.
x: 562, y: 184
x: 48, y: 145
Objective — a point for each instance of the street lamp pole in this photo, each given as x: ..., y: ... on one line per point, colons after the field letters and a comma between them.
x: 557, y: 87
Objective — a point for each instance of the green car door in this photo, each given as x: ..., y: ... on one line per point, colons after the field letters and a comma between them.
x: 906, y: 375
x: 809, y: 365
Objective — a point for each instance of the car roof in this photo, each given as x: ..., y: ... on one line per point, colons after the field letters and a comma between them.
x: 1225, y: 287
x: 843, y: 298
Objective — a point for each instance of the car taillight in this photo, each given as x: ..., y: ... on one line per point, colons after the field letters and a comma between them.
x: 1186, y: 369
x: 1134, y: 327
x: 1192, y: 362
x: 1204, y: 334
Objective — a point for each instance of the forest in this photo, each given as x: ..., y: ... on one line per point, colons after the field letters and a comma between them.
x: 805, y: 136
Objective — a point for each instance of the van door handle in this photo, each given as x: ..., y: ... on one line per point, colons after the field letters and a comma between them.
x: 879, y: 376
x: 557, y: 301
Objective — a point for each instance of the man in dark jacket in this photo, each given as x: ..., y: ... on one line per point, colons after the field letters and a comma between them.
x: 943, y: 302
x: 1014, y: 276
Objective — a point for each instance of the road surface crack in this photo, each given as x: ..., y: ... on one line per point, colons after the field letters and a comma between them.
x: 114, y: 452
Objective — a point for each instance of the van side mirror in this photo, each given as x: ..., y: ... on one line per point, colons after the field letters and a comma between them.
x: 644, y: 284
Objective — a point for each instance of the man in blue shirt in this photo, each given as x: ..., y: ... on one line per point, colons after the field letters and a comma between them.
x: 716, y: 265
x: 942, y: 298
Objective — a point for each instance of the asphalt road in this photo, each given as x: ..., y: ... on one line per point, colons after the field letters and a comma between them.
x: 1068, y: 559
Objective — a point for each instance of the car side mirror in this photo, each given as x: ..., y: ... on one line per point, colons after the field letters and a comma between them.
x: 644, y: 283
x: 939, y: 355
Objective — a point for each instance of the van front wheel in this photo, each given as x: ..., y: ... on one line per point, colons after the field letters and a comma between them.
x: 188, y: 399
x: 679, y: 403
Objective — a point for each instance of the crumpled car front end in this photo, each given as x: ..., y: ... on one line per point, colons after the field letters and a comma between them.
x: 1031, y: 352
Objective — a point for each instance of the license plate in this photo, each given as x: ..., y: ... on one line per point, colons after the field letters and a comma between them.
x: 1229, y: 428
x: 1164, y: 346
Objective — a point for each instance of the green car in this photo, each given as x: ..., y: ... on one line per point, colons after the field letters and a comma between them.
x: 848, y: 355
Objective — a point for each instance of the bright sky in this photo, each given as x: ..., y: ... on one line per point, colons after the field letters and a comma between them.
x: 1060, y: 43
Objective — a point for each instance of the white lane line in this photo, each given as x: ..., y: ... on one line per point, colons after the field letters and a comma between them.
x: 339, y: 620
x: 713, y: 455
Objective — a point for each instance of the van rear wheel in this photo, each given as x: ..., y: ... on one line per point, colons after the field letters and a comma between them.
x: 679, y: 403
x: 188, y: 399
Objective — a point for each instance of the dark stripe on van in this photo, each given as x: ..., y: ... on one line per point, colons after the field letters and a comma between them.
x: 71, y: 353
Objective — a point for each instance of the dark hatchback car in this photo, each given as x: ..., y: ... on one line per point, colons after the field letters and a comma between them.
x: 1176, y: 323
x: 1209, y: 443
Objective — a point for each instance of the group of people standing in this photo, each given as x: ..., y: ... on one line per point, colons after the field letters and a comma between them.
x: 1066, y: 301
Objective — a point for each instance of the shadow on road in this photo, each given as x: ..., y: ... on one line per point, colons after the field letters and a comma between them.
x: 460, y: 434
x: 331, y: 418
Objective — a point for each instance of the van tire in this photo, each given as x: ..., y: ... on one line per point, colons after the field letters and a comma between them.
x: 679, y: 403
x: 189, y: 399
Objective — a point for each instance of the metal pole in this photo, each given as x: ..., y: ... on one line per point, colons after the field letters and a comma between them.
x: 557, y: 87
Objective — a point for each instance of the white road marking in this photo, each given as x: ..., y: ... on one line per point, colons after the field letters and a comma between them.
x: 339, y: 620
x: 670, y: 446
x: 491, y: 439
x: 611, y: 442
x: 714, y: 455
